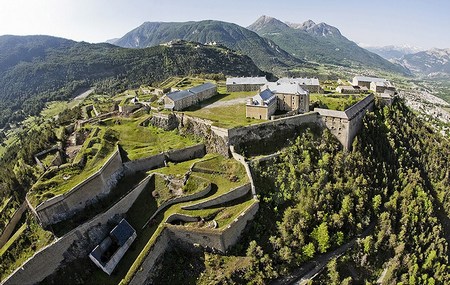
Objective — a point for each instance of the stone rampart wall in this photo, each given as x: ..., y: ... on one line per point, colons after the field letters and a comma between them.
x: 195, y: 196
x: 215, y: 138
x: 87, y: 192
x: 180, y: 217
x: 75, y: 244
x: 233, y: 194
x: 232, y: 233
x: 267, y: 130
x: 154, y: 255
x: 158, y: 160
x: 6, y: 233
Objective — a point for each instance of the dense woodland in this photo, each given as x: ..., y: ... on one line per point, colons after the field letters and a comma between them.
x: 392, y: 187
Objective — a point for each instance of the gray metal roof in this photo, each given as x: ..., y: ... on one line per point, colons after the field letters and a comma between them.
x: 300, y: 80
x: 383, y: 83
x: 368, y: 79
x: 247, y: 80
x: 202, y: 87
x: 122, y: 232
x: 352, y: 111
x: 286, y: 88
x: 178, y: 95
x: 264, y: 97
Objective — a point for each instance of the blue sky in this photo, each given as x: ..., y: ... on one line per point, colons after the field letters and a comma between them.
x: 421, y: 23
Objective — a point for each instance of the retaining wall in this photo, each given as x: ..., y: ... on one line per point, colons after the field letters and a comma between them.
x: 344, y: 125
x: 158, y: 160
x: 216, y: 139
x: 244, y: 162
x: 75, y: 244
x: 180, y: 217
x: 233, y: 194
x: 195, y: 196
x: 99, y: 184
x: 269, y: 129
x: 154, y: 255
x: 6, y: 234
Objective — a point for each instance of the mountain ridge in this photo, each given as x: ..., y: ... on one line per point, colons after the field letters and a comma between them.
x: 320, y: 43
x: 265, y: 53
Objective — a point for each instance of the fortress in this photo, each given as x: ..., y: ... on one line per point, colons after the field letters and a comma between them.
x: 344, y: 125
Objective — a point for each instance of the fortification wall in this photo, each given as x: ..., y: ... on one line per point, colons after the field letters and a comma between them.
x: 6, y: 234
x: 144, y: 164
x: 216, y: 139
x: 356, y: 123
x: 195, y: 196
x: 180, y: 217
x: 156, y: 161
x: 166, y: 122
x: 268, y: 129
x: 99, y: 184
x: 75, y: 244
x: 344, y: 125
x: 154, y: 255
x: 188, y: 153
x: 233, y: 194
x: 207, y: 238
x: 233, y: 232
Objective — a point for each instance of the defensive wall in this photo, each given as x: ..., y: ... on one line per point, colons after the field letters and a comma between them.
x: 6, y: 233
x: 344, y: 125
x: 177, y: 200
x: 211, y: 239
x: 75, y: 244
x: 233, y: 194
x: 159, y: 160
x: 99, y: 184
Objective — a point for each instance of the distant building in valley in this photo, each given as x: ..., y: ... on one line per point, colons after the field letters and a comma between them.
x: 381, y: 86
x: 182, y: 99
x: 242, y: 84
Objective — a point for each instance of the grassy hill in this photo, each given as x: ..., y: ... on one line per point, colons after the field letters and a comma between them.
x: 37, y: 69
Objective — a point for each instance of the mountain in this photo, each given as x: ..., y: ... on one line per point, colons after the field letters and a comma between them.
x: 432, y: 63
x: 266, y: 54
x: 320, y: 43
x: 392, y: 52
x: 37, y: 69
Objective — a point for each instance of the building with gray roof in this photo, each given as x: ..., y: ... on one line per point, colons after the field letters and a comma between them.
x: 110, y: 251
x: 245, y: 84
x: 182, y: 99
x: 310, y: 84
x: 261, y: 106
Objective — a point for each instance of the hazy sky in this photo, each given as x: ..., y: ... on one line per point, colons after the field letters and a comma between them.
x: 422, y: 23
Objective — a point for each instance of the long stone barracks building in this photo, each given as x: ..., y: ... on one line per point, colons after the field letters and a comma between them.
x: 378, y: 85
x: 240, y: 84
x: 289, y: 97
x: 310, y: 84
x: 182, y: 99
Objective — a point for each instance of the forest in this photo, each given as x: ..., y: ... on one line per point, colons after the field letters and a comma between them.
x: 314, y: 197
